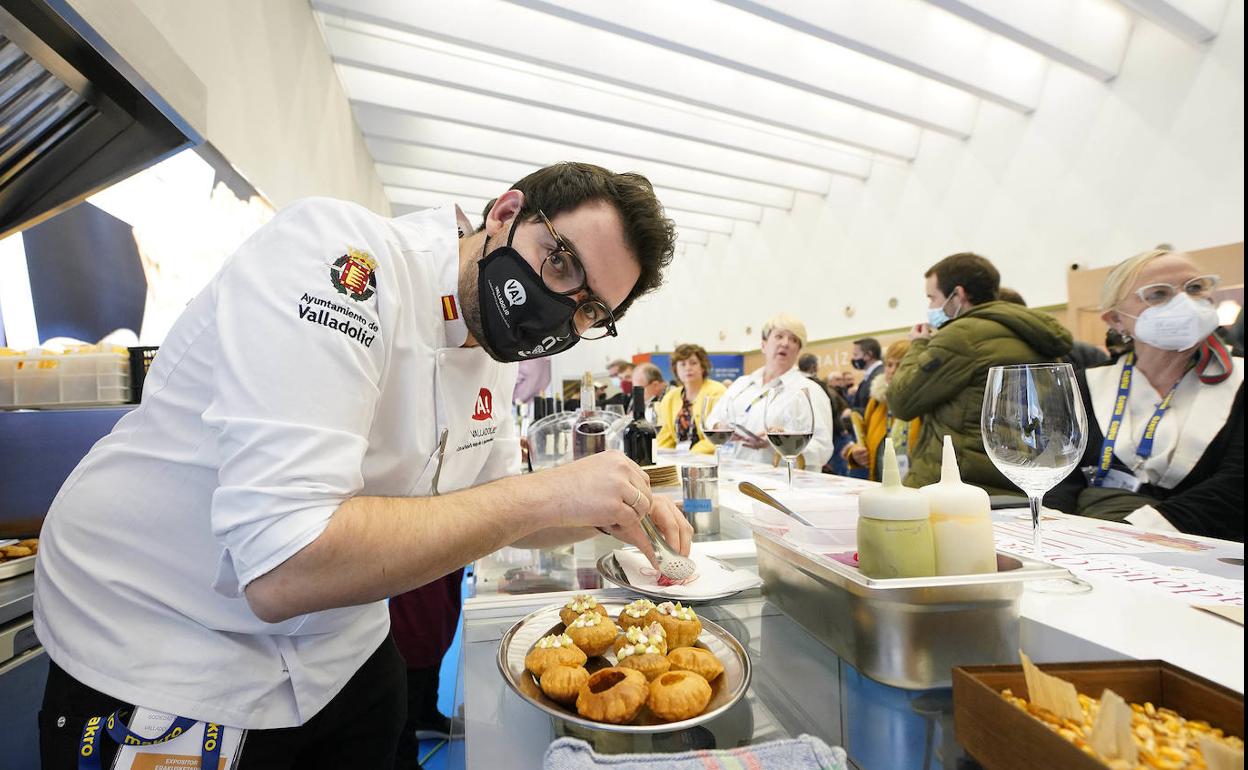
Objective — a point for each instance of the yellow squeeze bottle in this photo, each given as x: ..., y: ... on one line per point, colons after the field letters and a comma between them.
x: 894, y: 529
x: 961, y: 521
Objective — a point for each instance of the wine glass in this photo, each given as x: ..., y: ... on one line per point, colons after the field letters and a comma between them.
x: 1035, y: 431
x: 790, y: 420
x: 717, y: 431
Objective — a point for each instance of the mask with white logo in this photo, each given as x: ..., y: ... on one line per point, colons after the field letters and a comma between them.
x: 1179, y: 324
x: 520, y: 317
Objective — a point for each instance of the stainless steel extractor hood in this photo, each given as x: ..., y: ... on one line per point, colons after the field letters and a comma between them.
x: 74, y: 117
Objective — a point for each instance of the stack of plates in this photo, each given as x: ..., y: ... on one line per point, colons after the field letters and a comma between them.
x: 662, y: 475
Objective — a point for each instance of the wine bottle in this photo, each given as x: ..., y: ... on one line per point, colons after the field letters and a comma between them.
x: 639, y: 435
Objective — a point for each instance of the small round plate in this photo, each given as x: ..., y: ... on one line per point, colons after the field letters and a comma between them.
x: 727, y: 689
x: 611, y: 571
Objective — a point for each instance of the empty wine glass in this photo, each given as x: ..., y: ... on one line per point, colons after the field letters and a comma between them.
x: 1035, y: 431
x: 790, y: 420
x: 717, y: 430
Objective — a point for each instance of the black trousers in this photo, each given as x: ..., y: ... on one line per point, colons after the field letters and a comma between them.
x: 359, y: 728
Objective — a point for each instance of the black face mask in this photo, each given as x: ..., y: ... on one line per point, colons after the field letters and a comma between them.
x: 858, y: 363
x: 521, y: 318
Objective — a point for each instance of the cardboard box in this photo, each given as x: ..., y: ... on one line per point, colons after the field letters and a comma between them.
x: 1000, y: 736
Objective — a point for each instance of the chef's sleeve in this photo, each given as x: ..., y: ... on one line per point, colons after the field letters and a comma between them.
x: 295, y: 385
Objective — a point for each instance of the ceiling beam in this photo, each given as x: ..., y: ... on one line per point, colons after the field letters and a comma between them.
x: 409, y: 140
x: 458, y: 184
x: 1197, y: 21
x: 921, y: 38
x: 733, y: 39
x: 1057, y: 29
x: 551, y: 89
x: 401, y: 197
x: 492, y: 27
x: 479, y: 110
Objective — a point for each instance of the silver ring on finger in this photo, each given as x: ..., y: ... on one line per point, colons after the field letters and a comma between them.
x: 636, y: 500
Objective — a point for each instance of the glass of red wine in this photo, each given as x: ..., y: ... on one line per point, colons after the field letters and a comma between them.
x: 717, y: 430
x: 790, y: 420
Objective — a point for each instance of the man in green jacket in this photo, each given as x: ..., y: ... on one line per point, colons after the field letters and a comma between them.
x: 943, y: 375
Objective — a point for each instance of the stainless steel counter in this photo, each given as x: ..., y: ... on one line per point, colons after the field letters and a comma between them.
x: 800, y: 685
x: 17, y: 597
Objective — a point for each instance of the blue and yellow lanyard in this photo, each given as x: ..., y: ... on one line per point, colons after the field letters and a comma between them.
x: 1145, y: 449
x: 90, y: 744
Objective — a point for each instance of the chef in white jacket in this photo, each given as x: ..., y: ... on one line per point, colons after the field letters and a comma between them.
x: 745, y: 402
x: 316, y: 435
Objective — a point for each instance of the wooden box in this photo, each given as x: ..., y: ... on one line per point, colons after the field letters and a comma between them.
x: 1001, y: 736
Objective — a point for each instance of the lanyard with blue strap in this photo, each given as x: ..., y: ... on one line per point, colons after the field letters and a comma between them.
x: 1145, y: 448
x: 90, y: 744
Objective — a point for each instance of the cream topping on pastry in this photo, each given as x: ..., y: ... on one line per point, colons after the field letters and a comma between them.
x: 677, y: 611
x: 581, y: 603
x: 586, y: 619
x: 639, y: 608
x: 647, y: 637
x: 555, y: 641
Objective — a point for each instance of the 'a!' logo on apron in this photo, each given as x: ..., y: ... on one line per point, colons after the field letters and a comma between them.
x: 485, y: 405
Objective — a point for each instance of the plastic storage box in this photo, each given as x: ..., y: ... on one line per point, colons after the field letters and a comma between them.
x: 69, y: 379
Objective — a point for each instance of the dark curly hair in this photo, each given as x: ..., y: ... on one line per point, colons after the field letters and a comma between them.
x: 647, y: 230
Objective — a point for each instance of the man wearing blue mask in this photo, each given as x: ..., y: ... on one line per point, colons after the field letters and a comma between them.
x: 942, y: 377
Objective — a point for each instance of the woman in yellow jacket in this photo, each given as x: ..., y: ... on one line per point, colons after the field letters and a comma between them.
x: 681, y: 409
x: 878, y: 423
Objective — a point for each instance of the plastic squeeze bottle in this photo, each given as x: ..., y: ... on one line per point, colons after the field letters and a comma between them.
x: 894, y: 529
x: 961, y: 521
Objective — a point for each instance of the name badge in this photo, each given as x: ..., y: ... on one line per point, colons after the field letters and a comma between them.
x: 1115, y: 479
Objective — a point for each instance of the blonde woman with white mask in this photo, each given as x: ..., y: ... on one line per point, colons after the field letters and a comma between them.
x: 1166, y: 420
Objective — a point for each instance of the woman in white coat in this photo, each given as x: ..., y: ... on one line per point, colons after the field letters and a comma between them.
x: 745, y: 402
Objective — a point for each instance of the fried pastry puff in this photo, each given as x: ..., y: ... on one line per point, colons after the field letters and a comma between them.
x: 580, y: 604
x: 635, y: 613
x: 697, y: 660
x: 564, y: 683
x: 678, y: 695
x: 593, y: 633
x: 553, y: 650
x: 612, y: 695
x: 681, y: 624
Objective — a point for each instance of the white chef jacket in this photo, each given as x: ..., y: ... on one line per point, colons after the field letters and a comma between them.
x: 321, y: 363
x: 748, y: 396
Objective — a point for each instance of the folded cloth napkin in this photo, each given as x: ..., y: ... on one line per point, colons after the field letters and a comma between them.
x: 711, y: 579
x: 802, y: 753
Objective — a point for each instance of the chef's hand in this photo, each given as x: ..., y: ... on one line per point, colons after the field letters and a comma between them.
x: 611, y: 492
x: 921, y: 332
x: 856, y: 454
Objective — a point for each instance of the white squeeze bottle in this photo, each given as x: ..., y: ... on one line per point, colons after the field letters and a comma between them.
x: 961, y: 521
x: 894, y: 530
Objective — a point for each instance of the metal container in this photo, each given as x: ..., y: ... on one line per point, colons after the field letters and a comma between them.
x: 905, y: 632
x: 699, y: 487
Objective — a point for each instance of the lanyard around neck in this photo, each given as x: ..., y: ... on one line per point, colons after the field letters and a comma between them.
x: 1145, y: 448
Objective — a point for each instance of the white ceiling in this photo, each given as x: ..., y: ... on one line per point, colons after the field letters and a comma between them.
x: 728, y: 106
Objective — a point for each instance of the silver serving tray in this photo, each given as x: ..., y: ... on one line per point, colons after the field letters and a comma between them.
x: 612, y: 572
x: 726, y: 690
x: 19, y: 566
x: 904, y: 632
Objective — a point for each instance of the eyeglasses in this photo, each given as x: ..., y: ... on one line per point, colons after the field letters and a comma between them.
x: 1156, y: 294
x: 563, y: 273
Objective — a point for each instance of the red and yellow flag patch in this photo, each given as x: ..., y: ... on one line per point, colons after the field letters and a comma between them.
x: 450, y: 311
